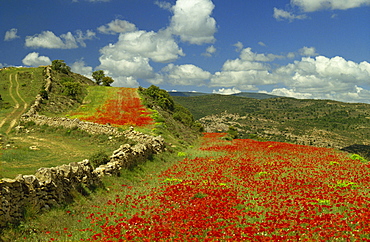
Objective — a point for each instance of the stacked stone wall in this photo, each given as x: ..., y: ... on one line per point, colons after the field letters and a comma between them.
x: 51, y: 187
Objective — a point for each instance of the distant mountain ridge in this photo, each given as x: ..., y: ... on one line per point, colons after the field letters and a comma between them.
x: 241, y: 94
x: 322, y: 123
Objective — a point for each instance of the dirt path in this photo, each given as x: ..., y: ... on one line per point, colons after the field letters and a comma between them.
x: 17, y: 110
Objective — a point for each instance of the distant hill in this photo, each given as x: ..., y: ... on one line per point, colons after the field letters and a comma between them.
x: 322, y: 123
x: 242, y: 94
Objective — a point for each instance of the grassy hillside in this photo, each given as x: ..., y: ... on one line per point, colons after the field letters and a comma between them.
x: 312, y: 122
x: 18, y: 89
x: 74, y: 96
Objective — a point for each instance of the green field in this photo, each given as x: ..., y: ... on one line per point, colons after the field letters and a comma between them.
x: 18, y: 89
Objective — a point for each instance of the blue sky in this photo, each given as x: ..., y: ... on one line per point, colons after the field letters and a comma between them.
x: 299, y: 48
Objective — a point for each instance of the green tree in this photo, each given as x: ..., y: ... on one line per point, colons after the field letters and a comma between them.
x: 60, y: 65
x: 107, y: 81
x: 72, y: 89
x: 98, y: 76
x: 162, y: 97
x: 232, y: 132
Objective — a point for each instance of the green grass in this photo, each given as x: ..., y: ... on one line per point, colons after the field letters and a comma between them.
x: 96, y: 96
x: 30, y: 82
x: 71, y: 219
x: 54, y: 147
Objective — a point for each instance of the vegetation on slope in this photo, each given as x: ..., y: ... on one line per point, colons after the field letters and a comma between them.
x: 68, y: 90
x: 312, y: 122
x: 173, y: 121
x: 18, y: 89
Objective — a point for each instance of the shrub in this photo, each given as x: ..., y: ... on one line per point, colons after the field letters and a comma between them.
x: 99, y: 158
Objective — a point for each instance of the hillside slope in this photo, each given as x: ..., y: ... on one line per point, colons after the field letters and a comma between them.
x: 321, y: 123
x: 63, y: 98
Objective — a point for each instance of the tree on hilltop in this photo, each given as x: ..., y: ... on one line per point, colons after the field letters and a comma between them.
x: 60, y: 65
x: 107, y: 80
x: 101, y: 79
x: 98, y: 76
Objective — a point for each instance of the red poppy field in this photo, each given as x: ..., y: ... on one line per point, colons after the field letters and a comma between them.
x: 244, y: 190
x: 122, y: 108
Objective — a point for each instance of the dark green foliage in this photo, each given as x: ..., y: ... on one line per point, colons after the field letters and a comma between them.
x: 99, y: 158
x: 44, y: 94
x: 183, y: 115
x: 159, y: 97
x: 232, y: 132
x: 98, y: 76
x: 107, y: 81
x: 171, y: 119
x: 72, y: 89
x: 321, y: 122
x: 59, y: 65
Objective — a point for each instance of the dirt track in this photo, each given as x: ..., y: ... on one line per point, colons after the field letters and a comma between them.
x: 20, y: 105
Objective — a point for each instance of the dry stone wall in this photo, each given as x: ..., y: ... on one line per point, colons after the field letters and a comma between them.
x: 50, y: 187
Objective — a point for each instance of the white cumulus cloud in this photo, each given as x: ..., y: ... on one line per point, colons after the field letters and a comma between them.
x: 280, y: 15
x: 239, y: 46
x: 117, y: 26
x: 164, y: 5
x: 81, y: 68
x: 315, y: 5
x: 11, y: 34
x: 185, y: 75
x: 210, y: 51
x: 227, y: 91
x: 327, y: 78
x: 313, y: 76
x: 34, y: 59
x: 245, y: 72
x: 47, y: 39
x: 192, y: 21
x: 308, y: 51
x: 129, y: 57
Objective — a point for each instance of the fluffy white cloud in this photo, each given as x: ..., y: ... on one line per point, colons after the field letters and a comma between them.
x: 227, y: 91
x: 185, y: 75
x: 192, y: 21
x: 11, y: 34
x: 308, y: 51
x: 117, y: 26
x: 34, y: 59
x: 81, y: 37
x: 239, y: 46
x: 81, y: 68
x: 129, y: 57
x: 315, y: 5
x: 164, y: 5
x: 49, y: 40
x: 280, y: 15
x: 326, y: 78
x: 210, y: 51
x: 284, y: 92
x: 245, y: 72
x: 311, y: 77
x: 248, y: 55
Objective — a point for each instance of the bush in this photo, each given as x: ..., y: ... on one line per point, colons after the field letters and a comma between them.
x: 99, y: 158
